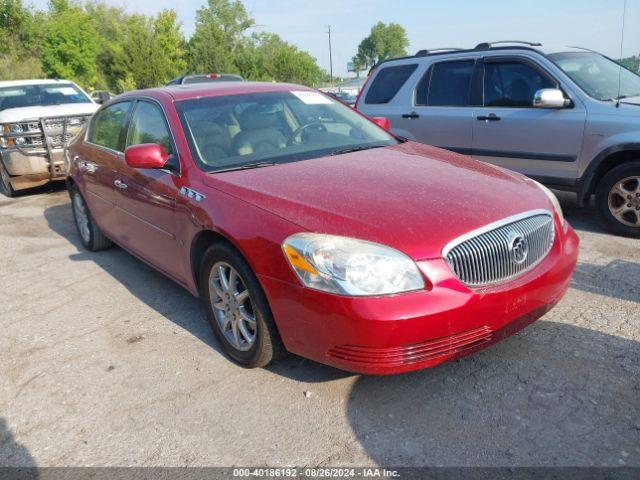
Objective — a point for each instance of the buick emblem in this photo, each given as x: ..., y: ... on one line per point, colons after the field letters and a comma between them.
x: 518, y: 248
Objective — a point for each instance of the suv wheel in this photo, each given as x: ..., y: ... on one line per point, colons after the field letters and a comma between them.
x: 90, y: 235
x: 5, y: 181
x: 618, y: 199
x: 237, y: 308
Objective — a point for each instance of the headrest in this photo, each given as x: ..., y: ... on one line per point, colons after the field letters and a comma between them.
x: 257, y: 117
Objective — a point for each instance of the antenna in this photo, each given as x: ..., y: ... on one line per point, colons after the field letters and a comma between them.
x: 624, y: 15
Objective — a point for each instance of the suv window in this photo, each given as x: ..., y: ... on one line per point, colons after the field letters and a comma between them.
x: 387, y: 83
x: 148, y: 125
x: 512, y: 84
x: 446, y: 84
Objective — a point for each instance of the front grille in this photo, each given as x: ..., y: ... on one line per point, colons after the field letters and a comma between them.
x: 54, y: 129
x: 501, y: 251
x: 417, y: 352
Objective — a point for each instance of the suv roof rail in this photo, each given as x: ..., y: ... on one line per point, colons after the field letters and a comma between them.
x: 425, y: 52
x: 488, y: 45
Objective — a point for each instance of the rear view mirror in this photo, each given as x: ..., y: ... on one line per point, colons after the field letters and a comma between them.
x: 550, y: 98
x: 146, y: 155
x: 382, y: 122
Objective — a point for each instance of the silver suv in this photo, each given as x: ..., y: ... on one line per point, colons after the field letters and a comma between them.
x: 568, y: 117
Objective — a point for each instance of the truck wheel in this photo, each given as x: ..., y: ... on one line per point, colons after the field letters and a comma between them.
x: 90, y: 235
x: 618, y: 199
x: 237, y: 308
x: 5, y: 182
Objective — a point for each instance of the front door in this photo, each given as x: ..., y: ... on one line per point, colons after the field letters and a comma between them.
x: 508, y: 131
x: 146, y: 199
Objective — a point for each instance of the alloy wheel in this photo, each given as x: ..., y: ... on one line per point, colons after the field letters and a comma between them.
x: 624, y: 201
x: 82, y: 218
x: 232, y: 306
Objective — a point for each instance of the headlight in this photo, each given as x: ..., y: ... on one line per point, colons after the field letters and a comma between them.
x: 347, y: 266
x: 16, y: 128
x: 553, y: 199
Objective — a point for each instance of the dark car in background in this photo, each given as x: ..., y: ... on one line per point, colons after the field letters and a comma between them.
x: 206, y: 78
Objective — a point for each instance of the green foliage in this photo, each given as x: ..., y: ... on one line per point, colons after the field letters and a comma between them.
x: 104, y: 47
x: 219, y: 35
x: 267, y: 57
x: 383, y: 42
x: 632, y: 63
x: 70, y: 46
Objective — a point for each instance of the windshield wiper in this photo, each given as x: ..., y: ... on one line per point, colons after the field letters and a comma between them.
x: 355, y: 149
x: 246, y: 166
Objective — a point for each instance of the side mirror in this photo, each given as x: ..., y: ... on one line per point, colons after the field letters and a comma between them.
x: 550, y: 98
x: 103, y: 97
x: 146, y: 155
x: 382, y: 122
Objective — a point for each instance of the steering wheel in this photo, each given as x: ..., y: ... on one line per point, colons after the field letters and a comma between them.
x: 298, y: 131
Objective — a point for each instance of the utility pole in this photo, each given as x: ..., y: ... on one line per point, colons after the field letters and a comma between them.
x: 330, y: 57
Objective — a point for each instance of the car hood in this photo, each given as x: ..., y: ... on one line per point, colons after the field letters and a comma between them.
x: 32, y: 113
x: 412, y: 197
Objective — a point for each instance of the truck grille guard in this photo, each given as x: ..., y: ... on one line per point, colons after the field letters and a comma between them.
x: 45, y: 134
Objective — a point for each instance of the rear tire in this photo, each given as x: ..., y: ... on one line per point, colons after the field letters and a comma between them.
x: 90, y: 235
x: 618, y: 199
x: 5, y: 182
x: 238, y: 313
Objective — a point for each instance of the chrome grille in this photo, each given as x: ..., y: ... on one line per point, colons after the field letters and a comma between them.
x: 495, y: 253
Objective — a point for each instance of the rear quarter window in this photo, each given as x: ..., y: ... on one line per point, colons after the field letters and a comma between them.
x: 387, y: 82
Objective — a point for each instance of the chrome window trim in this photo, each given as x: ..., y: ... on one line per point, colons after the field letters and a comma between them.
x: 492, y: 226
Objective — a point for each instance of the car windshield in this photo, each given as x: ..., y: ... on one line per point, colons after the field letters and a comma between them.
x: 598, y: 76
x: 40, y: 95
x: 257, y: 129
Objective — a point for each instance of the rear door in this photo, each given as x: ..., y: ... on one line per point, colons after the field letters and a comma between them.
x: 508, y: 131
x: 440, y: 111
x: 146, y: 198
x: 97, y: 161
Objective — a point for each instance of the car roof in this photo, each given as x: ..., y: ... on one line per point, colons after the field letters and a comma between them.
x: 22, y: 83
x: 215, y: 89
x: 487, y: 48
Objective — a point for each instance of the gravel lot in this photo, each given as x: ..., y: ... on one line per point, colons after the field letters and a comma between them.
x: 103, y: 361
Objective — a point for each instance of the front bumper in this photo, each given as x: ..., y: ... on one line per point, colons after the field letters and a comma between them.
x: 385, y: 335
x: 31, y: 169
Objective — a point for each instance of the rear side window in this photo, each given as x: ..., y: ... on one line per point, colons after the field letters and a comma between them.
x: 512, y: 84
x: 387, y: 83
x: 446, y: 84
x: 148, y: 125
x: 107, y: 125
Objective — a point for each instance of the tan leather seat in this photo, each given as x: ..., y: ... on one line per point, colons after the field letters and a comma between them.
x: 260, y: 132
x: 214, y: 142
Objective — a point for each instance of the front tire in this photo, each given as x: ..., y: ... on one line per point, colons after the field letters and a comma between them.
x: 92, y: 238
x: 5, y: 182
x: 237, y: 308
x: 618, y: 199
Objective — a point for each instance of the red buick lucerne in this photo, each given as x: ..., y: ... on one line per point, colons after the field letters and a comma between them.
x: 306, y: 227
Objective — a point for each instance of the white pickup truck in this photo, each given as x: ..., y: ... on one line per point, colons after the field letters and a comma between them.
x: 37, y: 119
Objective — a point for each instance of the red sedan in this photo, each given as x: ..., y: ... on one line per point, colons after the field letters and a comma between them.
x: 305, y: 227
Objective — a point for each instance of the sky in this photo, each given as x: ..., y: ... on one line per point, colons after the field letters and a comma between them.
x: 594, y: 24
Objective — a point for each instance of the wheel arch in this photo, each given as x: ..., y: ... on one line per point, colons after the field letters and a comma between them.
x: 199, y: 245
x: 605, y: 161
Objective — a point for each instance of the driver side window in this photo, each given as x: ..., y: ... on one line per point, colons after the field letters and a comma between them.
x: 148, y: 125
x: 512, y: 84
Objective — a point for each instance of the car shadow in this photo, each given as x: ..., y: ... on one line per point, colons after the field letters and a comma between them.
x: 555, y: 394
x: 15, y: 455
x: 617, y: 279
x: 581, y: 218
x: 168, y: 298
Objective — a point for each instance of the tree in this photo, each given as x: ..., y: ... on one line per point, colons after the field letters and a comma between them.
x: 70, y: 45
x: 218, y: 36
x: 20, y: 40
x: 383, y: 42
x: 267, y: 57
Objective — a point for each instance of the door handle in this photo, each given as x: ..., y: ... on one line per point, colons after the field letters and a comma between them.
x: 410, y: 115
x: 120, y: 184
x: 492, y: 117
